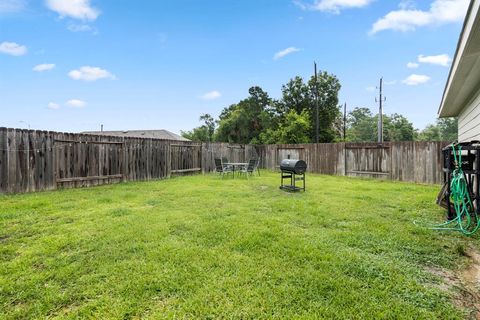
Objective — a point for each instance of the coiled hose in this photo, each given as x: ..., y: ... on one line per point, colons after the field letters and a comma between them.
x: 466, y: 219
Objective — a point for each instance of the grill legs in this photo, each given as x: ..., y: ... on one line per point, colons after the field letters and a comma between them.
x: 293, y: 179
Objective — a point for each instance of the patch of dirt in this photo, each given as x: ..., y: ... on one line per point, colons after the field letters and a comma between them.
x: 448, y: 277
x: 470, y: 278
x: 466, y: 284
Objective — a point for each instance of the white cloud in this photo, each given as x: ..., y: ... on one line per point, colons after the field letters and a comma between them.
x: 212, y: 95
x: 334, y: 6
x: 402, y: 20
x: 441, y: 59
x: 75, y: 103
x: 412, y: 65
x: 53, y: 105
x: 43, y: 67
x: 12, y: 48
x: 77, y: 9
x: 87, y: 73
x: 416, y: 79
x: 285, y: 52
x: 8, y: 6
x: 82, y: 28
x: 408, y: 19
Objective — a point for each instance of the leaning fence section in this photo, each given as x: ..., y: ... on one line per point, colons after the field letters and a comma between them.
x: 44, y: 160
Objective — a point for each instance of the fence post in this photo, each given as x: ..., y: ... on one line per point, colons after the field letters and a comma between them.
x: 3, y: 160
x: 124, y: 160
x: 203, y: 156
x: 392, y: 153
x: 169, y: 160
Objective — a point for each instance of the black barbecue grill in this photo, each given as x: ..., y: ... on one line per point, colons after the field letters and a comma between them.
x: 295, y: 171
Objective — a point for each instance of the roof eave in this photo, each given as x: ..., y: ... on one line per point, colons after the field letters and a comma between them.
x: 445, y: 110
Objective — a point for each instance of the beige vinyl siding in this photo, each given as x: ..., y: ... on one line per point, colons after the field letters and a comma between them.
x: 469, y: 121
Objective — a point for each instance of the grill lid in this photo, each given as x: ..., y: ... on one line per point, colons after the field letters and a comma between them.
x: 293, y: 166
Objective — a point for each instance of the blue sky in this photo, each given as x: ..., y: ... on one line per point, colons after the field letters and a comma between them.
x: 71, y: 65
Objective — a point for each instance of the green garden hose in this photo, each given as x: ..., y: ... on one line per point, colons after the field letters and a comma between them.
x: 466, y: 221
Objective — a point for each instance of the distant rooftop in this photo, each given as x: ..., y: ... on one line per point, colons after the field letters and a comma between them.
x: 150, y: 134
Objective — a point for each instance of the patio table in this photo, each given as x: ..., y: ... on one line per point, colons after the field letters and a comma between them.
x: 236, y: 165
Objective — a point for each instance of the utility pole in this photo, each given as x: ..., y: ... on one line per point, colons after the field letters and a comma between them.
x: 380, y: 113
x: 345, y: 122
x: 316, y: 104
x: 101, y: 128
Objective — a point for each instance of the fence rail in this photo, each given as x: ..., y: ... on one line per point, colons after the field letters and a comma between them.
x: 44, y: 160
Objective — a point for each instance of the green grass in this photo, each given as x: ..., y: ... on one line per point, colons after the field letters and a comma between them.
x: 202, y: 247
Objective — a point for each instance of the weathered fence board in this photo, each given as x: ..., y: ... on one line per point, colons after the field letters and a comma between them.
x: 41, y: 160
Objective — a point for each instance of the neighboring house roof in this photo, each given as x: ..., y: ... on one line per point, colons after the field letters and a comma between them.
x: 464, y: 79
x: 150, y: 134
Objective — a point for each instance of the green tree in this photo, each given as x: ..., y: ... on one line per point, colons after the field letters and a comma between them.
x: 398, y: 128
x: 299, y: 97
x: 243, y: 122
x: 258, y: 118
x: 361, y: 126
x: 203, y: 133
x: 327, y: 86
x: 445, y: 129
x: 448, y: 128
x: 196, y: 134
x: 430, y: 133
x: 294, y: 129
x: 209, y: 124
x: 296, y: 95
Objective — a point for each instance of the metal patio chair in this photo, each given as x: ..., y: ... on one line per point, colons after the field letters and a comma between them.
x: 225, y: 160
x: 221, y: 169
x: 249, y: 168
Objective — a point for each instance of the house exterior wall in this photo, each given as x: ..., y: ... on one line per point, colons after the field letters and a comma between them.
x: 469, y: 121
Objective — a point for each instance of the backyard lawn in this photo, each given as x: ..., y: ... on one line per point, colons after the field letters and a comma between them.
x: 203, y: 247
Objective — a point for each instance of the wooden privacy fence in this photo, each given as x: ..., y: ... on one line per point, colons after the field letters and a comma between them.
x: 40, y: 160
x: 43, y: 160
x: 419, y: 162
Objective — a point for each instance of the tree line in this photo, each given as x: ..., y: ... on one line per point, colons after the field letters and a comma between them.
x: 260, y: 119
